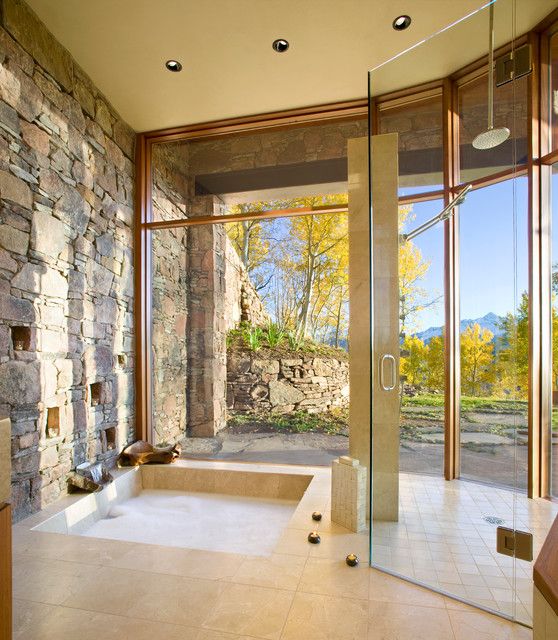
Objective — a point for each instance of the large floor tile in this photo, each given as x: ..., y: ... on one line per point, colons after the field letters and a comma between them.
x: 251, y: 611
x: 390, y: 621
x: 209, y: 565
x: 58, y: 546
x: 277, y: 571
x: 335, y: 578
x: 49, y: 581
x: 64, y: 623
x: 478, y: 625
x: 317, y: 617
x: 148, y: 596
x: 387, y: 588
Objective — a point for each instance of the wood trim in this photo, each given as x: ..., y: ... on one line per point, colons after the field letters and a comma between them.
x: 144, y: 224
x: 239, y: 217
x: 334, y: 112
x: 422, y: 197
x: 451, y: 286
x: 551, y: 157
x: 410, y: 95
x: 535, y: 239
x: 5, y: 572
x: 142, y: 294
x: 549, y: 23
x: 494, y: 178
x: 545, y: 571
x: 545, y: 209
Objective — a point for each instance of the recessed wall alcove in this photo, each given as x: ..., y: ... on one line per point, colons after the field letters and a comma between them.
x: 108, y: 439
x: 21, y: 338
x: 53, y: 422
x: 96, y: 393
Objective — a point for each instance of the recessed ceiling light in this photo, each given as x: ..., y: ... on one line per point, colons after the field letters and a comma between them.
x: 280, y: 45
x: 173, y: 65
x: 401, y: 23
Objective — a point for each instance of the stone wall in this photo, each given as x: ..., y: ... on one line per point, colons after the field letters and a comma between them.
x: 263, y: 382
x: 273, y: 147
x: 66, y: 285
x: 242, y: 302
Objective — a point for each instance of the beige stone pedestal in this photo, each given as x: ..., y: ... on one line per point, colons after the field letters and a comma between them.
x: 348, y: 493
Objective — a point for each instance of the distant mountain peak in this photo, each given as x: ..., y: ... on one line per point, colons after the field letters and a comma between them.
x: 490, y: 321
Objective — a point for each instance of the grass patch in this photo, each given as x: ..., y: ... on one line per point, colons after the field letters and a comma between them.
x: 469, y: 403
x: 334, y: 422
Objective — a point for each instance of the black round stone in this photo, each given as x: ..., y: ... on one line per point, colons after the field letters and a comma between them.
x: 314, y: 537
x: 351, y: 560
x: 316, y: 516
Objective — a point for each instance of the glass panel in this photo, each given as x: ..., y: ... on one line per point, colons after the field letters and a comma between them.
x: 553, y: 55
x: 510, y: 110
x: 494, y: 334
x: 250, y: 338
x: 170, y: 299
x: 444, y: 534
x: 419, y: 126
x: 554, y: 267
x: 268, y: 166
x: 422, y: 319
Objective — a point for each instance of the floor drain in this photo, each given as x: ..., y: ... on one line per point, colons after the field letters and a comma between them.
x: 493, y: 520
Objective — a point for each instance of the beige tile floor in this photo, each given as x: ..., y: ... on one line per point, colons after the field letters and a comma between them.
x: 443, y: 540
x: 81, y: 588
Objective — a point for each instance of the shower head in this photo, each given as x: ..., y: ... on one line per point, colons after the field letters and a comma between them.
x: 491, y: 138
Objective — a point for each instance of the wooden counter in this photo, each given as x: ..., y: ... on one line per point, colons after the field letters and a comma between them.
x: 545, y: 571
x: 5, y: 572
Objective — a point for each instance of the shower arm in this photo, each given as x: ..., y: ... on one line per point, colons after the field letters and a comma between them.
x: 446, y: 213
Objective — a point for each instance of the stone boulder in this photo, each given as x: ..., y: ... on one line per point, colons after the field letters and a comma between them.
x: 283, y: 394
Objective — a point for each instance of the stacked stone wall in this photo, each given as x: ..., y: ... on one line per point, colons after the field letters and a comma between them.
x: 257, y: 382
x: 66, y: 279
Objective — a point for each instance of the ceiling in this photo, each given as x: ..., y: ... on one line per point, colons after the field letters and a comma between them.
x: 230, y: 68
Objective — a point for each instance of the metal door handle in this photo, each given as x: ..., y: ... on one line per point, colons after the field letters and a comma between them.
x: 389, y: 358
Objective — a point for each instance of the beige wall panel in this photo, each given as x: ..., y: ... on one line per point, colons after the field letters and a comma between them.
x: 385, y: 410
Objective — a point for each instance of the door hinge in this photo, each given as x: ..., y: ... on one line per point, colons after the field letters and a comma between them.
x: 511, y: 542
x: 513, y: 65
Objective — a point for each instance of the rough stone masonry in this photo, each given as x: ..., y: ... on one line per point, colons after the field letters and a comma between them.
x: 66, y: 285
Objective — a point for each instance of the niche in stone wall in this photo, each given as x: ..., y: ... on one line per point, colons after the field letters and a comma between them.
x: 122, y: 360
x: 21, y: 338
x: 108, y: 439
x: 53, y: 422
x: 96, y: 393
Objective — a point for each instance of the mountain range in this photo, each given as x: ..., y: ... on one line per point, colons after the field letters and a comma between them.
x: 490, y: 321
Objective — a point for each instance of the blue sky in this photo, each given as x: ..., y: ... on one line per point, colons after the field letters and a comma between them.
x: 487, y: 250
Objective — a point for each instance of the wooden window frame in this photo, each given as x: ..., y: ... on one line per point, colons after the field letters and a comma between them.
x: 537, y: 169
x: 145, y: 225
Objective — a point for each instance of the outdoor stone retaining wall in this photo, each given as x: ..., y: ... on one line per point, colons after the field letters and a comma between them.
x: 200, y: 291
x: 66, y: 281
x: 258, y: 382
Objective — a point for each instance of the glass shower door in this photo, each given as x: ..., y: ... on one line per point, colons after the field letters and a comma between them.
x: 448, y: 413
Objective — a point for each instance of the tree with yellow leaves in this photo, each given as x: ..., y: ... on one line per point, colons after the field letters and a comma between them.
x: 477, y: 360
x: 412, y: 270
x: 250, y: 240
x: 316, y: 254
x: 413, y: 364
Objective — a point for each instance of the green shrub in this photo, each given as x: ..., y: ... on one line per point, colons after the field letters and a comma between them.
x: 254, y: 339
x: 274, y: 335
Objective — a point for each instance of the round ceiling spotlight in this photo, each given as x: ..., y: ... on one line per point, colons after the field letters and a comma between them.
x: 401, y: 23
x: 173, y: 65
x: 280, y: 45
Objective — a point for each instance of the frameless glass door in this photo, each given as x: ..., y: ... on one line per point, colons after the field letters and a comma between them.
x: 460, y: 294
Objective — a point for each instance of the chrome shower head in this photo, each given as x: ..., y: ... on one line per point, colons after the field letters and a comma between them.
x: 491, y: 138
